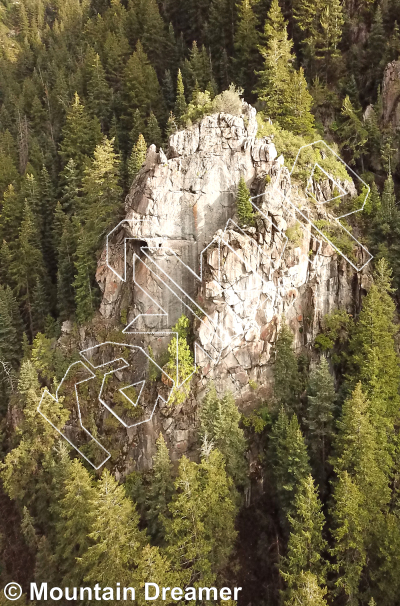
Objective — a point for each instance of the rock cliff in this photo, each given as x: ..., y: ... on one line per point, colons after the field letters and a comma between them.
x: 187, y: 253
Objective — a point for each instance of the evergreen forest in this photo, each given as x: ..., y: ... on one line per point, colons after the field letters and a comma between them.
x: 86, y: 86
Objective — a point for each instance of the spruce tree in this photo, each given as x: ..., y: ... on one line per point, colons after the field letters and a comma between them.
x: 137, y: 158
x: 40, y: 305
x: 9, y: 343
x: 306, y: 543
x: 289, y: 459
x: 75, y: 516
x: 80, y: 136
x: 66, y: 271
x: 287, y: 379
x: 180, y: 102
x: 27, y: 265
x: 137, y: 127
x: 243, y: 204
x: 306, y: 592
x: 153, y: 131
x: 160, y: 491
x: 219, y: 425
x: 115, y: 536
x: 388, y: 201
x: 320, y: 413
x: 98, y: 91
x: 246, y: 41
x: 141, y: 87
x: 70, y: 188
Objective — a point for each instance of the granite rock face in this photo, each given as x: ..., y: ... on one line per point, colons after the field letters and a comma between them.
x: 186, y: 249
x: 391, y: 95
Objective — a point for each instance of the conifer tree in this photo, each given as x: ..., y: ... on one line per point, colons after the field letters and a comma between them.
x: 319, y: 414
x: 11, y: 214
x: 160, y: 491
x: 137, y: 158
x: 80, y: 136
x: 287, y: 379
x: 246, y: 42
x: 153, y: 131
x: 353, y: 133
x: 141, y: 87
x: 219, y: 425
x: 388, y: 201
x: 9, y: 344
x: 75, y: 516
x: 40, y: 305
x: 5, y: 264
x: 66, y: 271
x: 100, y: 203
x: 243, y: 204
x: 374, y: 351
x: 301, y: 120
x: 180, y: 103
x: 289, y: 460
x: 71, y: 188
x: 98, y: 91
x: 137, y: 127
x: 27, y: 265
x: 116, y: 538
x: 306, y: 592
x: 168, y: 90
x: 306, y: 543
x: 46, y: 213
x: 201, y: 532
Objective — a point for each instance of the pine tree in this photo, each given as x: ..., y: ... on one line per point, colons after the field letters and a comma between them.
x: 307, y: 592
x: 246, y: 43
x: 141, y: 87
x: 153, y: 131
x: 46, y: 210
x: 168, y: 90
x: 5, y: 264
x: 11, y: 214
x: 71, y: 188
x: 27, y: 265
x: 160, y: 491
x: 388, y: 204
x: 40, y: 305
x: 75, y: 516
x: 180, y: 103
x: 287, y: 379
x: 80, y: 136
x: 137, y: 127
x: 137, y: 158
x: 201, y: 530
x: 376, y: 50
x: 374, y: 351
x: 350, y: 520
x: 276, y: 51
x: 66, y: 271
x: 219, y: 426
x: 319, y: 414
x: 352, y: 132
x: 100, y: 204
x: 116, y: 539
x: 98, y: 91
x: 306, y: 543
x: 290, y: 461
x: 9, y: 344
x: 301, y: 120
x: 243, y: 204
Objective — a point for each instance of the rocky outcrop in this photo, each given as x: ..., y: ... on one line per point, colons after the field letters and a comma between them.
x: 187, y: 251
x: 391, y: 95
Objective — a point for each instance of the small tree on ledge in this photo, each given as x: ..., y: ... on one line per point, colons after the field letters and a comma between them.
x: 244, y: 206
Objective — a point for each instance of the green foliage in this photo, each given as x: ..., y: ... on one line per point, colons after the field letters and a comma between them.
x: 289, y: 460
x: 160, y: 491
x: 319, y: 414
x: 180, y: 366
x: 306, y: 543
x: 287, y: 379
x: 137, y: 157
x: 295, y: 234
x: 219, y: 425
x: 243, y: 204
x: 336, y: 328
x: 201, y: 532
